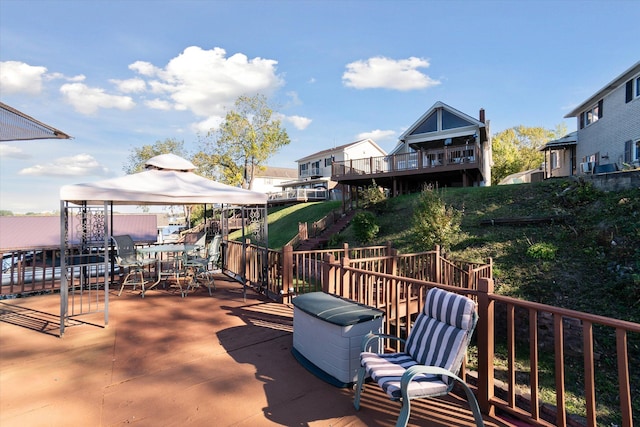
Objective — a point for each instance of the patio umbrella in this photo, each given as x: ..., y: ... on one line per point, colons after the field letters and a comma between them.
x: 17, y: 126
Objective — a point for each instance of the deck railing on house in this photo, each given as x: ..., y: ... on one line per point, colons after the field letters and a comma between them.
x: 461, y: 156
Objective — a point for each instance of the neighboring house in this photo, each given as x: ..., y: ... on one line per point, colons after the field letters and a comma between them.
x: 444, y: 147
x: 608, y: 135
x: 270, y: 179
x: 315, y: 170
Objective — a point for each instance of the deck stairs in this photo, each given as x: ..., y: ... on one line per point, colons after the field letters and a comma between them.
x: 321, y: 240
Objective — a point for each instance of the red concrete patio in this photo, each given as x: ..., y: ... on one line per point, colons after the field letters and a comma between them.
x: 170, y: 361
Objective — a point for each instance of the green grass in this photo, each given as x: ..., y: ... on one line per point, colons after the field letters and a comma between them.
x: 283, y: 220
x: 588, y: 262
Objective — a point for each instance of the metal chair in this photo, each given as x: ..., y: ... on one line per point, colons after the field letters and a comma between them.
x: 202, y: 266
x: 432, y: 357
x: 128, y: 258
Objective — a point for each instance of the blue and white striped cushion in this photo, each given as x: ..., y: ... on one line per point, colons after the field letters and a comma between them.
x: 438, y: 338
x: 450, y: 308
x: 387, y: 369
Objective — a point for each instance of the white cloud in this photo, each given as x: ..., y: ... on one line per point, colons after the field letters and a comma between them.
x: 207, y: 125
x: 18, y: 77
x: 206, y: 82
x: 158, y: 104
x: 79, y: 165
x: 377, y: 135
x: 87, y: 100
x: 145, y: 68
x: 381, y: 72
x: 130, y: 85
x: 12, y: 152
x: 298, y: 122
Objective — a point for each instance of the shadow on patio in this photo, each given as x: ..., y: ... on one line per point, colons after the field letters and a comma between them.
x: 171, y: 361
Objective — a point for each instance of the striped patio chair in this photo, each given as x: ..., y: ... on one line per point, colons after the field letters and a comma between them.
x: 434, y: 351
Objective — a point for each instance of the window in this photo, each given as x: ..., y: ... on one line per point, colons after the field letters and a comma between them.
x: 632, y: 151
x: 592, y: 115
x: 328, y: 161
x: 555, y: 160
x: 632, y: 89
x: 304, y: 167
x: 430, y: 124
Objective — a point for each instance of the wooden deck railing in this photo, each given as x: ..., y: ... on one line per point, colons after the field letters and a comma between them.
x: 432, y: 160
x: 397, y: 284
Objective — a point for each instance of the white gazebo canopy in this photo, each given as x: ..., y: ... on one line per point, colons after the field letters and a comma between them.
x: 168, y: 180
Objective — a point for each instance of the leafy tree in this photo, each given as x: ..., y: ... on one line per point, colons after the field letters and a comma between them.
x: 365, y: 226
x: 138, y: 156
x: 518, y: 149
x: 4, y: 212
x: 243, y: 143
x: 434, y: 223
x: 371, y: 195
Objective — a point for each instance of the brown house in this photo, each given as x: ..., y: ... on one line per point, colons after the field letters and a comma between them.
x: 444, y: 146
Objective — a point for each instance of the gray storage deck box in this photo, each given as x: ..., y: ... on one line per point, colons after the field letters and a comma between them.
x: 327, y: 335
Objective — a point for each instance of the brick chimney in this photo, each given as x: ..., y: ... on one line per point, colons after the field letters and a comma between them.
x: 482, y: 115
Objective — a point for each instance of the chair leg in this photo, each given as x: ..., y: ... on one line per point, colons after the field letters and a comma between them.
x: 124, y: 281
x: 405, y: 411
x: 359, y: 385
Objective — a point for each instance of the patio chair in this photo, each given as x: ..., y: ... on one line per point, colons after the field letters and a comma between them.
x: 128, y: 258
x: 433, y: 354
x: 201, y: 266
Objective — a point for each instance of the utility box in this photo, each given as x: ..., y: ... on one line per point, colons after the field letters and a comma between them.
x: 328, y: 332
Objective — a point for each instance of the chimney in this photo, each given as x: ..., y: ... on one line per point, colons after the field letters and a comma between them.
x: 482, y: 115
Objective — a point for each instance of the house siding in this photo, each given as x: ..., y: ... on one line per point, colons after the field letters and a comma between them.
x: 620, y: 122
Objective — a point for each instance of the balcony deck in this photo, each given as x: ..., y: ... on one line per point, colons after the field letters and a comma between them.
x: 166, y: 360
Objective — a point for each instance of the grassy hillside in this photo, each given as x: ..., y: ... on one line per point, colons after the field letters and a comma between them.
x: 283, y: 220
x: 589, y: 260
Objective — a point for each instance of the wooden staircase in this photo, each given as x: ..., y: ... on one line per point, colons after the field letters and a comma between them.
x: 321, y: 240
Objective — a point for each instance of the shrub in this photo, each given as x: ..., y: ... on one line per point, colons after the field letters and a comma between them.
x: 365, y: 226
x: 371, y: 195
x: 546, y: 251
x: 434, y: 223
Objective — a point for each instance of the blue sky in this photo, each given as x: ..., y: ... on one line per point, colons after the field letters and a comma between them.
x: 121, y: 74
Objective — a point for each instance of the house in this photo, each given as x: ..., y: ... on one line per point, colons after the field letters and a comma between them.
x: 270, y: 179
x: 314, y: 180
x: 444, y: 146
x: 608, y: 131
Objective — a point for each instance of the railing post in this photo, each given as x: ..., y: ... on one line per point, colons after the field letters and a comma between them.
x: 287, y: 270
x: 328, y: 279
x: 344, y: 289
x: 392, y: 261
x: 485, y: 346
x: 246, y: 273
x: 437, y: 268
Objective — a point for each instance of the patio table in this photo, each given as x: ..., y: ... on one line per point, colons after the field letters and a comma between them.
x: 179, y: 249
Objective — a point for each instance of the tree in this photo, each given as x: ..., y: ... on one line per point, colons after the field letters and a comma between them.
x: 138, y: 156
x: 435, y: 223
x: 518, y: 149
x: 243, y: 143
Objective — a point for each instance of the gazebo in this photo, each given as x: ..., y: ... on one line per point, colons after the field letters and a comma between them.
x: 86, y: 223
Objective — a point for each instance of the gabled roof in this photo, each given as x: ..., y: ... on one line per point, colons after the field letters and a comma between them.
x: 607, y: 89
x: 277, y: 172
x: 16, y: 126
x: 464, y: 121
x: 341, y: 148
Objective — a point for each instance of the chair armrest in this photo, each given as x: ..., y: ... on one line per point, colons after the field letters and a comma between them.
x: 414, y: 370
x: 366, y: 340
